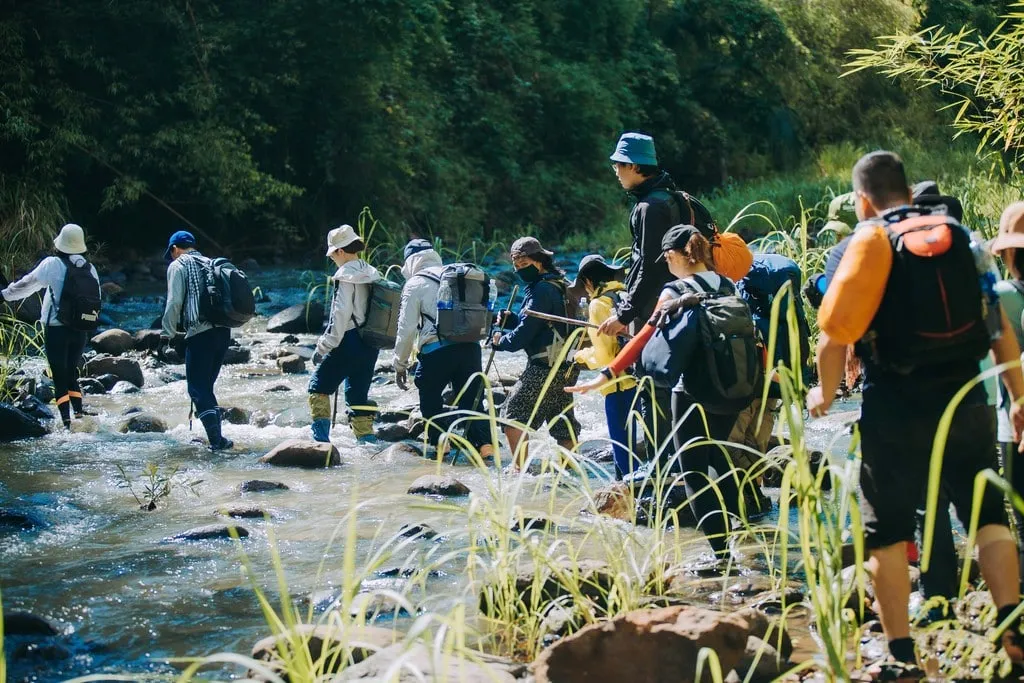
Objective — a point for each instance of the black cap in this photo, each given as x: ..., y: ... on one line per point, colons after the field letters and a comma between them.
x: 592, y: 263
x: 677, y: 237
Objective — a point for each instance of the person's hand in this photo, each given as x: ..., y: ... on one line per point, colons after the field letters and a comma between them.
x: 818, y: 404
x: 317, y: 358
x: 496, y: 338
x: 611, y: 327
x: 402, y: 379
x: 593, y: 384
x: 673, y: 307
x: 1017, y: 421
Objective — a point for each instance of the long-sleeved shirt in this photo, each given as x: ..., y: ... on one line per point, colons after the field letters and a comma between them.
x: 418, y: 315
x: 348, y: 307
x: 49, y: 274
x: 655, y: 212
x: 183, y: 296
x: 534, y: 335
x: 603, y: 348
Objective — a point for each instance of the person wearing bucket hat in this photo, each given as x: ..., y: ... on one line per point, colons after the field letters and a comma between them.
x: 71, y: 306
x: 602, y: 283
x: 342, y: 356
x: 530, y: 402
x: 206, y: 344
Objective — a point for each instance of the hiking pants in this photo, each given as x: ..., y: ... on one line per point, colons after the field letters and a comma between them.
x: 657, y: 416
x: 697, y: 462
x: 455, y: 364
x: 1013, y: 471
x: 64, y: 348
x: 617, y: 408
x: 204, y: 356
x: 941, y: 578
x: 352, y: 362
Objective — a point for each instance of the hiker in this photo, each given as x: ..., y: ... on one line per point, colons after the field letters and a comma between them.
x: 341, y: 353
x: 603, y: 285
x: 71, y: 308
x: 913, y: 367
x: 659, y: 206
x: 680, y: 351
x: 528, y: 403
x: 448, y: 345
x: 205, y: 343
x: 1009, y: 247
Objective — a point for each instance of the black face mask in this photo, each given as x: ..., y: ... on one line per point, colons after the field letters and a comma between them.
x: 529, y: 274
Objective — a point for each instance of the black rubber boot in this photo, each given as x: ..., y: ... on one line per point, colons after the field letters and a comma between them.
x: 65, y: 413
x: 211, y: 422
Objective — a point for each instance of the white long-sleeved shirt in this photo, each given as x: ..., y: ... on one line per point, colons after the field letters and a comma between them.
x: 348, y: 308
x: 49, y: 274
x: 419, y: 300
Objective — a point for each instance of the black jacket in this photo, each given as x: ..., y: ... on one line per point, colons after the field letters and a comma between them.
x: 655, y: 212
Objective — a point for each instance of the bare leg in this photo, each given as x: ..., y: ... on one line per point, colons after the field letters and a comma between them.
x: 514, y: 437
x: 888, y: 566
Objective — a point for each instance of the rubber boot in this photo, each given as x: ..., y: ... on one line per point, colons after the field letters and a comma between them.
x: 211, y: 423
x: 362, y: 427
x: 65, y: 413
x: 322, y: 430
x: 77, y: 407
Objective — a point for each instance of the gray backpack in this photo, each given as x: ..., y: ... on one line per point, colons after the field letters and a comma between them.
x: 463, y: 311
x: 380, y: 328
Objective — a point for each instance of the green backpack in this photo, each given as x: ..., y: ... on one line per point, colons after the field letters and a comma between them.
x: 380, y: 328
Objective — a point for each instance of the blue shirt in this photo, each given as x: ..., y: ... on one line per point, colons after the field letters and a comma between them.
x: 534, y: 335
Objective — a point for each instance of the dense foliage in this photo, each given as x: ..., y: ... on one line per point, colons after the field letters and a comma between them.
x: 262, y: 124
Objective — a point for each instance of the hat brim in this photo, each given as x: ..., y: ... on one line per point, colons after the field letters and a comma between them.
x: 597, y: 265
x: 337, y: 247
x: 639, y: 161
x: 1011, y: 240
x: 68, y: 249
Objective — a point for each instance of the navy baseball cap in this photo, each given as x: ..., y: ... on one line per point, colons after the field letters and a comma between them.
x: 415, y: 246
x: 182, y: 238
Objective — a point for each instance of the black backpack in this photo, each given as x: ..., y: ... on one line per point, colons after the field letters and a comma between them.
x: 693, y: 212
x: 729, y: 373
x: 465, y: 316
x: 80, y: 298
x: 227, y: 299
x: 933, y: 311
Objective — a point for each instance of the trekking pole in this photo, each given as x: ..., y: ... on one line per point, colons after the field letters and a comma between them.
x: 508, y: 309
x: 334, y: 412
x: 567, y: 321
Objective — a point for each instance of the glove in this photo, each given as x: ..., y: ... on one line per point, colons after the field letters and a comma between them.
x: 317, y: 358
x: 402, y: 379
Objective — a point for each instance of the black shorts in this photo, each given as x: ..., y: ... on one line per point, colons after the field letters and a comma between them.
x: 896, y: 447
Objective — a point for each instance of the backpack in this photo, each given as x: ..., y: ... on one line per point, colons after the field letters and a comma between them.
x: 380, y: 327
x: 227, y: 299
x: 767, y: 276
x: 729, y: 371
x: 933, y: 311
x: 463, y: 314
x: 731, y: 253
x: 693, y: 212
x: 80, y: 298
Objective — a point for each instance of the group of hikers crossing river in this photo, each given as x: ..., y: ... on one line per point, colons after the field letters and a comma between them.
x: 680, y: 338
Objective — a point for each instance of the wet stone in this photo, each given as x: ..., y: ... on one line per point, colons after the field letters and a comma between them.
x: 299, y: 453
x: 324, y: 640
x: 436, y: 485
x: 391, y: 416
x: 147, y: 340
x: 91, y: 387
x: 143, y: 423
x: 124, y: 388
x: 392, y: 432
x: 26, y: 624
x: 242, y: 511
x: 169, y: 376
x: 421, y: 530
x: 532, y: 523
x: 236, y: 355
x: 16, y: 424
x: 408, y: 572
x: 210, y: 532
x: 127, y: 369
x: 289, y: 339
x: 416, y: 664
x: 402, y: 450
x: 291, y: 364
x: 18, y: 520
x: 278, y: 388
x: 131, y: 410
x: 108, y: 381
x: 262, y: 486
x: 299, y: 318
x: 235, y: 415
x: 374, y: 606
x: 115, y: 342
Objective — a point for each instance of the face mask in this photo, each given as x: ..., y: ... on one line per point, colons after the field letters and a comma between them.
x: 528, y: 274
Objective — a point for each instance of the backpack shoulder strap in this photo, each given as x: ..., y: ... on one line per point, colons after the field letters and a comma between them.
x: 1018, y: 285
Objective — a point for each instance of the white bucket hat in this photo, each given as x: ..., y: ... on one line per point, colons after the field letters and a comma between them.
x: 70, y: 240
x: 340, y: 238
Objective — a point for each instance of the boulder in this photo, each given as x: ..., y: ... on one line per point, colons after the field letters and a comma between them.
x: 615, y: 501
x: 392, y: 432
x: 142, y: 423
x: 27, y: 624
x: 44, y: 390
x: 131, y: 410
x: 243, y: 511
x: 123, y: 387
x: 127, y: 369
x: 235, y: 415
x: 299, y: 319
x: 261, y: 486
x: 33, y: 407
x: 115, y: 342
x: 108, y: 381
x: 147, y: 340
x: 437, y: 485
x: 292, y: 364
x: 402, y: 449
x: 209, y: 532
x: 110, y: 290
x: 236, y: 355
x: 300, y: 453
x: 419, y: 663
x: 645, y: 646
x: 91, y: 387
x: 16, y: 424
x: 328, y: 643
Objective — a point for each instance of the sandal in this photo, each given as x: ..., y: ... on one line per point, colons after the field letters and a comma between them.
x: 892, y: 671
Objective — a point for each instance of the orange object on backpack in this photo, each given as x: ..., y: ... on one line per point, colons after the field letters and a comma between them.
x: 733, y: 258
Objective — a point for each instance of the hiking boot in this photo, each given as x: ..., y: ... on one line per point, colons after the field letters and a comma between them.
x: 211, y: 423
x: 321, y: 428
x: 65, y: 413
x: 362, y: 428
x: 224, y: 445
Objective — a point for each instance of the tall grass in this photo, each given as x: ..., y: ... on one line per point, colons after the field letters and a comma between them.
x: 29, y: 219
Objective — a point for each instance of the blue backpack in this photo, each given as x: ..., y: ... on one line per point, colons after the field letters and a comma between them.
x: 769, y: 273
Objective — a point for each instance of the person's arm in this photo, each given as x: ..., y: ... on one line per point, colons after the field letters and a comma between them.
x: 342, y: 305
x: 602, y: 348
x: 1006, y: 350
x: 642, y: 283
x: 528, y: 327
x: 409, y: 316
x: 38, y: 278
x: 175, y: 298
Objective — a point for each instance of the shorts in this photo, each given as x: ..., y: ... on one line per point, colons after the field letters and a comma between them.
x: 896, y: 446
x: 554, y: 408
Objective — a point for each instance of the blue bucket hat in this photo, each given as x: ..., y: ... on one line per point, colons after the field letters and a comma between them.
x: 182, y: 238
x: 635, y: 148
x: 416, y: 246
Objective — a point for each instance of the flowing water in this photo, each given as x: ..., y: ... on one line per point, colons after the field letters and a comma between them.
x: 126, y: 597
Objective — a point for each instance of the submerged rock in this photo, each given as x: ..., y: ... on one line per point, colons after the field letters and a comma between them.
x: 277, y: 388
x: 299, y: 453
x: 143, y: 423
x: 261, y: 486
x: 236, y: 355
x: 331, y: 644
x: 436, y: 485
x: 16, y: 424
x: 17, y: 520
x: 91, y: 387
x: 209, y: 532
x: 243, y: 511
x: 402, y: 449
x: 392, y: 432
x: 127, y: 369
x: 115, y: 342
x: 123, y: 387
x: 299, y: 318
x: 235, y: 415
x: 421, y: 530
x: 419, y: 663
x: 292, y: 364
x: 27, y: 624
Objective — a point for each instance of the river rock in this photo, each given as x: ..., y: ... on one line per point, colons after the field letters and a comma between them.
x: 91, y: 386
x: 143, y: 423
x: 645, y: 646
x: 437, y: 485
x: 147, y: 340
x: 235, y: 415
x: 170, y: 355
x: 303, y: 352
x: 26, y: 624
x: 542, y: 585
x: 615, y: 501
x: 374, y: 606
x: 127, y: 369
x: 15, y: 424
x: 596, y: 451
x: 115, y: 342
x: 261, y: 486
x: 108, y: 381
x: 123, y: 387
x: 422, y: 530
x: 243, y: 511
x: 18, y: 520
x: 44, y: 390
x: 393, y: 416
x: 34, y: 408
x: 402, y: 449
x: 168, y: 376
x: 383, y: 367
x: 289, y: 339
x: 355, y: 643
x: 419, y: 664
x: 278, y: 388
x: 110, y: 290
x: 300, y: 453
x: 210, y: 531
x: 236, y: 355
x: 392, y: 432
x: 299, y: 318
x: 291, y: 364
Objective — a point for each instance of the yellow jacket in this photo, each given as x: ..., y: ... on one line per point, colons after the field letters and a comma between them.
x: 603, y: 348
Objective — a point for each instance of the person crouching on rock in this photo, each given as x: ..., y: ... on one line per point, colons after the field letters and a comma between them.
x: 341, y: 354
x: 205, y: 343
x: 70, y: 309
x: 528, y: 403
